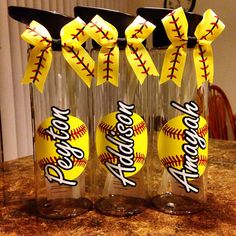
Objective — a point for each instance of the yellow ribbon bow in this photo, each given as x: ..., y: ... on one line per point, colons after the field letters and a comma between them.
x: 136, y: 53
x: 40, y: 58
x: 106, y: 35
x: 176, y: 26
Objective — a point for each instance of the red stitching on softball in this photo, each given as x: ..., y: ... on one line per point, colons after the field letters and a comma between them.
x: 105, y: 128
x: 174, y: 133
x: 74, y: 133
x: 78, y: 132
x: 139, y: 157
x: 107, y: 157
x: 47, y: 160
x: 43, y: 134
x: 53, y: 160
x: 139, y: 128
x: 172, y: 160
x: 177, y: 160
x: 203, y: 131
x: 202, y: 160
x: 79, y: 162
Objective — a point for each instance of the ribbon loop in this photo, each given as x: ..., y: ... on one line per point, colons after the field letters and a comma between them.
x: 139, y: 29
x: 39, y: 63
x: 136, y: 53
x: 74, y: 31
x: 101, y: 31
x: 173, y: 65
x: 206, y: 32
x: 176, y: 27
x: 40, y: 58
x: 73, y: 35
x: 37, y: 35
x: 106, y: 35
x: 210, y: 27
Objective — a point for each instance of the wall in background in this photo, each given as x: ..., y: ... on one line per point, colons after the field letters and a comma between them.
x: 224, y: 47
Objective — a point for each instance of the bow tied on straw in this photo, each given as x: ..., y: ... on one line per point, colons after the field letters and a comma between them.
x: 106, y: 35
x: 40, y: 58
x: 176, y: 26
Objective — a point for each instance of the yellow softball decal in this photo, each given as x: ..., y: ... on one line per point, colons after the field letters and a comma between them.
x: 121, y: 143
x: 183, y: 145
x: 62, y: 147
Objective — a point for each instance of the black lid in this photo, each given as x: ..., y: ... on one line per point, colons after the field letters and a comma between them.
x: 118, y: 19
x: 160, y: 38
x: 51, y: 20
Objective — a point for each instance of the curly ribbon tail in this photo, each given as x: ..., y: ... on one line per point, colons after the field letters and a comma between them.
x: 176, y: 26
x: 108, y: 67
x: 73, y: 36
x: 136, y: 53
x: 39, y: 63
x: 106, y: 36
x: 173, y: 65
x: 40, y: 56
x: 204, y: 64
x: 206, y: 32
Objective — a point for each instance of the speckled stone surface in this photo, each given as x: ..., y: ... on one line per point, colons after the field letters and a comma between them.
x: 18, y: 214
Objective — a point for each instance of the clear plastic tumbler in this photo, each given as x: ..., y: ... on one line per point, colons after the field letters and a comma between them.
x: 119, y: 128
x: 60, y: 115
x: 178, y: 111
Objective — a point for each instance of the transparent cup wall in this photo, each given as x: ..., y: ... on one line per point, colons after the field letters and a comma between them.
x: 167, y: 193
x: 111, y: 197
x: 156, y: 119
x: 63, y: 90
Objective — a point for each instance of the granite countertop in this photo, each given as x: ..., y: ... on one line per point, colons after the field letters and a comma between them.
x: 19, y: 217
